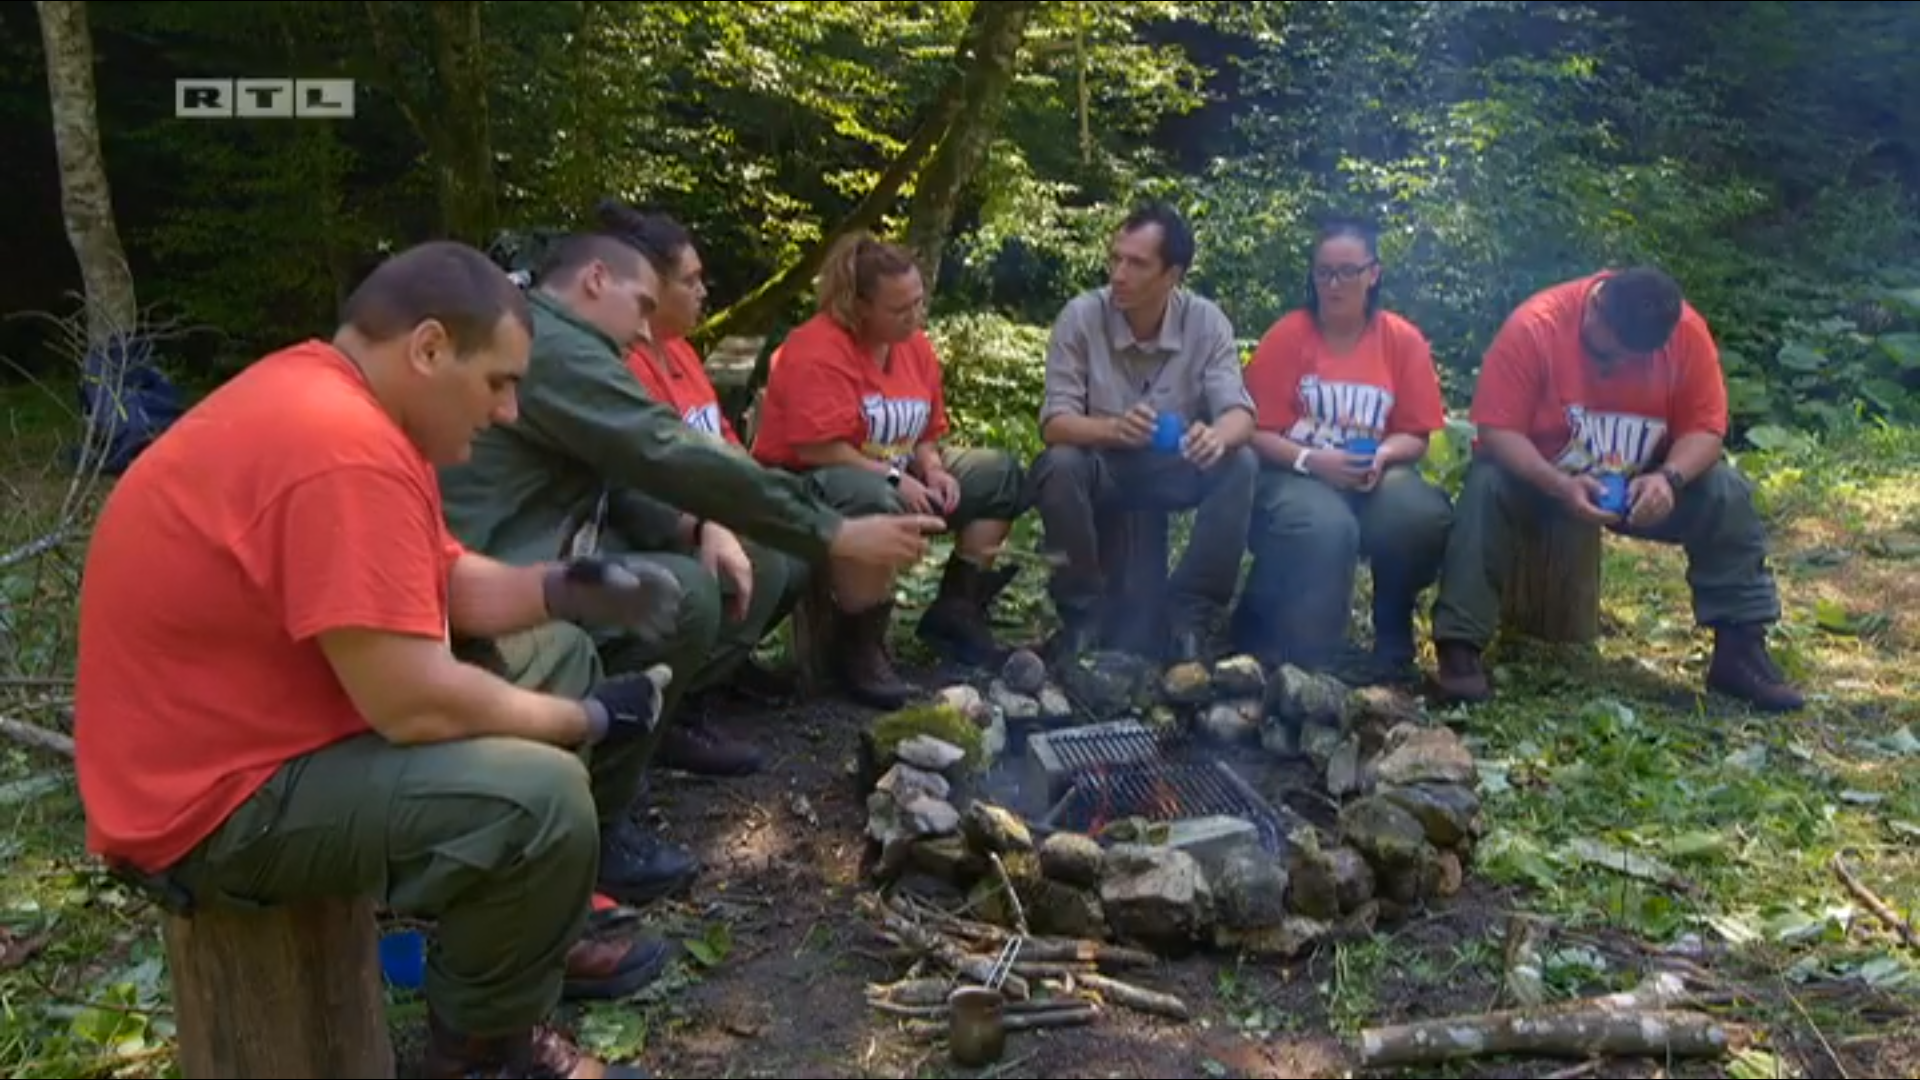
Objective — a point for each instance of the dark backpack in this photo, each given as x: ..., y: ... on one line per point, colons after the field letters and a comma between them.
x: 127, y: 400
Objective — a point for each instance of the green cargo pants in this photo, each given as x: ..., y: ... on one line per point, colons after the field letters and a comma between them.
x: 493, y: 839
x: 1307, y: 538
x: 989, y: 488
x: 1714, y: 520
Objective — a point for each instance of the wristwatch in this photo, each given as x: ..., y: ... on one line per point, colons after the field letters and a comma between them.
x: 1674, y: 478
x: 1300, y: 462
x: 893, y: 476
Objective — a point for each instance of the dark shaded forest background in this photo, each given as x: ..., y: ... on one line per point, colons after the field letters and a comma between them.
x: 1768, y: 153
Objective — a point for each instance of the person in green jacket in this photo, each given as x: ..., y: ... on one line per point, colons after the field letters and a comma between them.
x: 589, y: 444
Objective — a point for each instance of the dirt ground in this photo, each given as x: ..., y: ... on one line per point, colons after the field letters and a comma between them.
x: 786, y: 999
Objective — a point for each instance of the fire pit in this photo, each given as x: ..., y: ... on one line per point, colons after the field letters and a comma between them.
x: 1141, y: 818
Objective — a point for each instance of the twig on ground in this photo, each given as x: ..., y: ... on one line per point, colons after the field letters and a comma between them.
x: 1872, y: 902
x: 1133, y: 997
x: 1013, y: 895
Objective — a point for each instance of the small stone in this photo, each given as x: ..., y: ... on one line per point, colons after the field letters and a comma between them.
x: 1298, y: 698
x: 1072, y: 859
x: 1313, y: 886
x: 994, y: 830
x: 1054, y: 907
x: 1187, y: 684
x: 1450, y: 813
x: 1024, y: 672
x: 1054, y: 703
x: 949, y: 859
x: 1232, y: 722
x: 931, y: 817
x: 1240, y: 677
x: 1416, y: 755
x: 1352, y: 878
x: 1385, y: 833
x: 1156, y: 896
x: 1344, y: 774
x: 1452, y: 876
x: 906, y: 783
x: 1293, y: 936
x: 1251, y: 892
x: 967, y: 701
x: 1014, y: 706
x: 929, y: 753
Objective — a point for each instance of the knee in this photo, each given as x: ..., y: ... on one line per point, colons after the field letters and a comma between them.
x: 1725, y: 486
x: 1321, y: 538
x: 1415, y: 511
x: 1238, y: 469
x: 545, y: 796
x: 856, y: 492
x: 1061, y: 467
x: 1002, y: 481
x: 702, y: 610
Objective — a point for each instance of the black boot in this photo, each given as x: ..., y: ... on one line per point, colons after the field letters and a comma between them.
x: 637, y: 868
x: 1742, y: 669
x: 865, y: 665
x: 956, y: 623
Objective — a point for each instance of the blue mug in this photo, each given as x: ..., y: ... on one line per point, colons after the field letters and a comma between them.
x: 1168, y: 431
x: 403, y: 958
x: 1613, y: 496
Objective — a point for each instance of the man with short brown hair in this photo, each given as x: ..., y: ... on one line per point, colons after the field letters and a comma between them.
x: 268, y: 708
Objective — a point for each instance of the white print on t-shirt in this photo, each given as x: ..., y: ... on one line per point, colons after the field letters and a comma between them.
x: 704, y: 418
x: 1609, y: 441
x: 894, y: 427
x: 1332, y: 413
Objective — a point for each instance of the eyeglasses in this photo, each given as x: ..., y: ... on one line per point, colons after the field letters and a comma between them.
x: 1346, y: 275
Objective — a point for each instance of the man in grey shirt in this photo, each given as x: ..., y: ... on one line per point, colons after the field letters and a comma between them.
x: 1145, y: 408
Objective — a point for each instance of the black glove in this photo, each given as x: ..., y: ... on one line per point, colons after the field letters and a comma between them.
x: 625, y: 706
x: 641, y: 597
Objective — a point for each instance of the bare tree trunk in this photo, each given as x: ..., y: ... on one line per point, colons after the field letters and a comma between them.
x: 758, y: 310
x: 994, y: 42
x: 86, y: 200
x: 469, y: 191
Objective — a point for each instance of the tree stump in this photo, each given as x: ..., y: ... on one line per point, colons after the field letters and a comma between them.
x: 1552, y: 591
x: 1134, y: 547
x: 815, y: 621
x: 290, y: 992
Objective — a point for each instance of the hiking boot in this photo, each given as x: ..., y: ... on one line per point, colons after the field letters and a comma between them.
x: 637, y: 867
x: 1742, y: 669
x: 606, y: 968
x: 866, y: 666
x: 1461, y: 677
x: 956, y: 622
x: 692, y: 745
x: 540, y: 1053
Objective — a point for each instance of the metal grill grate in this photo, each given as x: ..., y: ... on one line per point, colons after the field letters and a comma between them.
x: 1056, y: 758
x: 1165, y: 792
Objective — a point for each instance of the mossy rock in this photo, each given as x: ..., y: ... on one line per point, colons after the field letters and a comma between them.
x: 938, y: 719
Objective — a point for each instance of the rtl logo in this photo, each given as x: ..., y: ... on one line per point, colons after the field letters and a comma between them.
x: 223, y: 99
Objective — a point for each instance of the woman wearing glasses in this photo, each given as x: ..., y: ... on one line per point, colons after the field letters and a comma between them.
x: 1347, y: 397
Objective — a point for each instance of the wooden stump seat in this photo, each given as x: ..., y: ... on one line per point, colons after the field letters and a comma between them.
x: 1552, y: 590
x: 288, y: 992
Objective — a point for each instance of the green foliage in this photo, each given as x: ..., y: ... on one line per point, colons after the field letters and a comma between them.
x: 995, y: 373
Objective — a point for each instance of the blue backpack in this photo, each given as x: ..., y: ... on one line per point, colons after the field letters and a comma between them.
x: 127, y: 401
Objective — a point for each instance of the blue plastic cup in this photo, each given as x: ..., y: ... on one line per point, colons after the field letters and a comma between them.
x: 1168, y: 431
x: 403, y: 958
x: 1613, y: 496
x: 1365, y: 448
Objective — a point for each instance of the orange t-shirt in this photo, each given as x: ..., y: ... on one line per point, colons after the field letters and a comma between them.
x: 824, y: 387
x: 285, y: 505
x: 1537, y: 379
x: 681, y: 383
x: 1385, y: 385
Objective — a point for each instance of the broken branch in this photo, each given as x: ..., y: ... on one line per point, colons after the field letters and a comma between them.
x: 1595, y: 1033
x: 1013, y: 895
x: 1060, y: 1016
x: 1872, y: 902
x: 1133, y: 997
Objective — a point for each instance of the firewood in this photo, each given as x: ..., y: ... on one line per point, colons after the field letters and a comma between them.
x: 1133, y: 997
x: 1582, y: 1034
x: 1013, y: 895
x: 911, y: 991
x: 1074, y: 1015
x: 1057, y: 949
x: 1042, y: 969
x: 940, y: 949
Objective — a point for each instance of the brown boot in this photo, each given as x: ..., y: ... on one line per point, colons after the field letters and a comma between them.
x: 956, y: 622
x: 866, y: 666
x: 539, y: 1054
x: 1460, y: 676
x: 1742, y: 669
